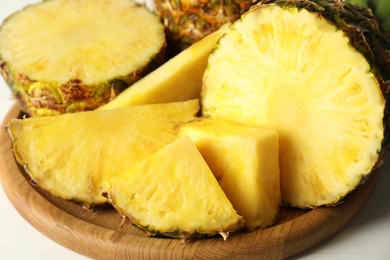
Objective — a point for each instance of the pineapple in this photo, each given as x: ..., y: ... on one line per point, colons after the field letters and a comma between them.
x: 64, y: 56
x: 173, y: 193
x: 178, y: 79
x: 381, y: 8
x: 304, y: 69
x: 245, y: 161
x: 187, y: 21
x: 71, y: 155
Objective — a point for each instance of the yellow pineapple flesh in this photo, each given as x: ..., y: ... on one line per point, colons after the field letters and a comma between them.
x: 71, y: 155
x: 245, y: 161
x: 290, y: 70
x: 174, y: 193
x: 65, y: 56
x: 179, y: 79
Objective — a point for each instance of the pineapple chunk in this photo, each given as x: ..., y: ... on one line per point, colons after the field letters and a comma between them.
x: 174, y: 193
x: 290, y: 70
x: 65, y: 56
x: 179, y: 79
x: 71, y: 155
x: 245, y: 161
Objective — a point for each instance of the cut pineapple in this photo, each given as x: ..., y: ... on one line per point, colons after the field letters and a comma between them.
x: 291, y: 70
x: 179, y: 79
x: 64, y: 56
x: 72, y: 154
x: 245, y: 161
x: 174, y: 193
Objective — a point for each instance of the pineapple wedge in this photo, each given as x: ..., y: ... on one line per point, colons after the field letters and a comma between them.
x: 179, y: 79
x: 245, y: 161
x: 173, y: 193
x: 71, y: 155
x: 285, y: 66
x: 64, y: 56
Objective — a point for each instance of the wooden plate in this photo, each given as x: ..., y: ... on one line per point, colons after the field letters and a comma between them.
x: 101, y: 233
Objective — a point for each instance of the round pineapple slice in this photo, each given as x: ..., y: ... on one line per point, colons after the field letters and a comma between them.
x: 64, y: 56
x: 291, y: 70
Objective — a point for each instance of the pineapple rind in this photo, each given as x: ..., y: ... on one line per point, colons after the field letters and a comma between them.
x: 187, y: 21
x: 70, y: 155
x: 305, y: 118
x: 173, y: 193
x: 80, y: 57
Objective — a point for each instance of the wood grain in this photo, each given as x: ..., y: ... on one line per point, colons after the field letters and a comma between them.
x: 100, y: 234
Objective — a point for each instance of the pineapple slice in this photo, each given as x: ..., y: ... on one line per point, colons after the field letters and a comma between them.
x: 71, y: 155
x: 285, y: 68
x: 245, y: 161
x: 173, y: 193
x: 179, y: 79
x: 64, y: 56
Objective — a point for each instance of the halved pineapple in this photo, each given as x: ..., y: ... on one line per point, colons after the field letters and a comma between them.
x: 71, y: 155
x: 245, y: 161
x: 178, y: 79
x: 64, y: 56
x: 284, y: 66
x: 174, y: 193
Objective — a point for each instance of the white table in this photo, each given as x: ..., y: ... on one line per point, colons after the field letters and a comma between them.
x: 367, y: 236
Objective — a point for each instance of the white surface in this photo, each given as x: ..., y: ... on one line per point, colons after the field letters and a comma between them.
x: 366, y: 237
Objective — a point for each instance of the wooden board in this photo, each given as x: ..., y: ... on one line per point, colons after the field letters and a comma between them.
x: 101, y: 233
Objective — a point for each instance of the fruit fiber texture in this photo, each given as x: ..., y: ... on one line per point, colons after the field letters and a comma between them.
x: 317, y: 72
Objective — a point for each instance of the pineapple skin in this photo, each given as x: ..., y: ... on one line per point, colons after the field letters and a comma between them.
x: 39, y: 98
x: 187, y: 22
x: 366, y: 35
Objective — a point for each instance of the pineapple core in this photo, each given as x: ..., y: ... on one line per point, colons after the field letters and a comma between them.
x: 245, y: 161
x: 173, y: 193
x: 292, y: 71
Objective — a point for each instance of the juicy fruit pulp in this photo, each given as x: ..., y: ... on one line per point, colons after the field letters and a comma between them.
x: 71, y: 155
x: 63, y: 56
x: 245, y: 161
x: 293, y: 71
x: 179, y: 79
x: 174, y: 193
